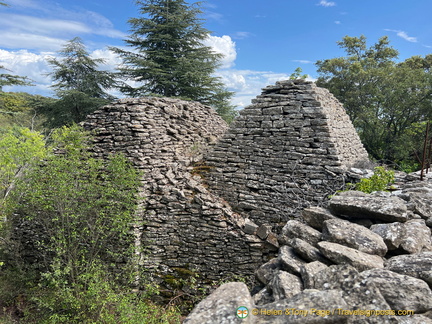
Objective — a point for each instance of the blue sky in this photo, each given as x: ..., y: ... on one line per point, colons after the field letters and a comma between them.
x: 263, y: 41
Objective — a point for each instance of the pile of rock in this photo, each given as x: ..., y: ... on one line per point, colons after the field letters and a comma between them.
x: 364, y: 252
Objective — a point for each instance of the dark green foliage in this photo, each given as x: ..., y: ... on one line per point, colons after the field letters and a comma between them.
x: 78, y: 212
x: 80, y: 86
x: 7, y: 79
x: 169, y: 57
x: 83, y: 205
x: 382, y: 97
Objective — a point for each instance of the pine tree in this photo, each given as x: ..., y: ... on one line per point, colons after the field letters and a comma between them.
x: 169, y: 58
x: 80, y: 86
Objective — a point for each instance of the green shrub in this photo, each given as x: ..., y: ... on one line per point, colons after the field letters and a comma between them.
x: 379, y: 181
x: 80, y: 211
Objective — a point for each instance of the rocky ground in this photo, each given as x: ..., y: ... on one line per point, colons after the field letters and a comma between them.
x: 366, y: 258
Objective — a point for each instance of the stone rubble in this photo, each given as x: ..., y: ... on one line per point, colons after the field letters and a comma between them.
x: 387, y: 266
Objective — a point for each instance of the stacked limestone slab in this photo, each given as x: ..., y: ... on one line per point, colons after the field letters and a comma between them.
x: 180, y: 224
x: 288, y: 150
x: 367, y: 258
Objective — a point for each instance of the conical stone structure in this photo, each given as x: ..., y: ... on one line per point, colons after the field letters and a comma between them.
x: 180, y: 225
x: 288, y: 150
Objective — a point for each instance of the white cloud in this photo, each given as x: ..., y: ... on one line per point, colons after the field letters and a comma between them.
x: 37, y: 25
x: 303, y: 61
x: 30, y: 41
x: 325, y: 3
x: 403, y: 35
x: 246, y: 84
x: 31, y: 65
x: 223, y: 45
x: 111, y: 59
x: 337, y: 22
x: 41, y: 25
x: 241, y: 35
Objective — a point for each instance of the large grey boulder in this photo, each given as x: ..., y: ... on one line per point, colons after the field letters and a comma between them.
x: 355, y: 236
x: 355, y: 204
x: 316, y: 307
x: 285, y: 285
x: 266, y: 272
x: 307, y: 251
x: 316, y: 216
x: 417, y: 236
x: 335, y: 277
x: 309, y: 271
x: 289, y: 260
x: 295, y: 229
x: 400, y: 291
x: 419, y: 199
x: 413, y: 236
x: 220, y: 307
x: 392, y: 234
x: 341, y: 254
x: 366, y: 297
x: 357, y: 293
x: 417, y: 265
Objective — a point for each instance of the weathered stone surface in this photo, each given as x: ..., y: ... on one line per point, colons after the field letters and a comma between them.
x: 316, y: 216
x: 318, y: 304
x: 419, y: 199
x: 263, y: 231
x: 267, y: 271
x: 367, y: 297
x: 271, y: 242
x: 342, y: 254
x: 391, y: 233
x: 250, y: 227
x: 295, y: 229
x: 307, y: 251
x: 417, y: 236
x: 179, y: 221
x: 417, y: 265
x: 355, y: 236
x: 361, y: 205
x: 414, y: 319
x: 413, y: 236
x: 400, y: 291
x: 309, y: 271
x: 221, y: 305
x: 285, y: 285
x: 335, y: 277
x: 264, y: 296
x: 288, y: 150
x: 289, y: 260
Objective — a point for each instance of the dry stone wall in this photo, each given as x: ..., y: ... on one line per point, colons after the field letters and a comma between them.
x: 290, y: 149
x: 180, y: 224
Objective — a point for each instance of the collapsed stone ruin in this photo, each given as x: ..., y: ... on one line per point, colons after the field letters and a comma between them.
x: 366, y: 258
x: 254, y: 199
x: 206, y: 188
